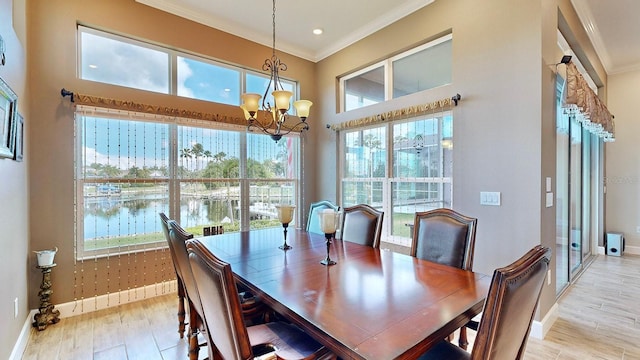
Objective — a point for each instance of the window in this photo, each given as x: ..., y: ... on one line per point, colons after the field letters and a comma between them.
x: 422, y: 68
x: 208, y: 81
x: 426, y: 67
x: 415, y: 176
x: 131, y: 167
x: 364, y: 89
x: 121, y: 61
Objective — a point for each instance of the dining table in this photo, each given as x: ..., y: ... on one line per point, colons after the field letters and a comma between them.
x: 372, y: 304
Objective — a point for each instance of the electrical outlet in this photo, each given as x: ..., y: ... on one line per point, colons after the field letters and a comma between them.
x: 549, y: 277
x: 638, y: 229
x: 15, y: 308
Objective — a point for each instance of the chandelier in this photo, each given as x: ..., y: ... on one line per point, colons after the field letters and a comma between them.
x: 274, y: 116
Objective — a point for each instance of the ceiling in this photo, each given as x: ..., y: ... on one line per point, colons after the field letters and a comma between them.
x: 614, y: 29
x: 343, y: 21
x: 612, y: 25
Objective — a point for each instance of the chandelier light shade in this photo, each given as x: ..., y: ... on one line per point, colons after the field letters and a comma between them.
x: 270, y: 118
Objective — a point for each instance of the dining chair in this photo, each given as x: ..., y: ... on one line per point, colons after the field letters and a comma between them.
x: 446, y: 237
x: 362, y: 224
x: 252, y: 309
x: 225, y: 325
x: 177, y: 245
x: 313, y: 222
x: 181, y: 295
x: 505, y: 324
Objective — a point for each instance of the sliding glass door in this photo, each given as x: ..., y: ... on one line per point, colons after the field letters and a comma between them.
x: 578, y: 194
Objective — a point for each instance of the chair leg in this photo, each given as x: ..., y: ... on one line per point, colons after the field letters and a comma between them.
x: 462, y: 341
x: 181, y: 309
x: 194, y: 346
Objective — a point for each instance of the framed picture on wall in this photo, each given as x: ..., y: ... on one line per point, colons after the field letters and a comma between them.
x: 8, y: 110
x: 19, y: 143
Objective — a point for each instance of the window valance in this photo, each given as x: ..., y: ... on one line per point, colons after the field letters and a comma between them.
x: 581, y: 101
x: 124, y: 105
x: 438, y: 105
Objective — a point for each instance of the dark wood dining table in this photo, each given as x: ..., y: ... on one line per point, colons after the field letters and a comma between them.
x: 372, y: 304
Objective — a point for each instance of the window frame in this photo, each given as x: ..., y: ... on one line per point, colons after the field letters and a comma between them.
x: 389, y: 180
x: 387, y: 65
x: 173, y: 180
x: 173, y: 64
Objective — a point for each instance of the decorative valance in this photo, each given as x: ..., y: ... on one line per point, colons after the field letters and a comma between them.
x: 417, y: 110
x: 124, y: 105
x: 581, y: 101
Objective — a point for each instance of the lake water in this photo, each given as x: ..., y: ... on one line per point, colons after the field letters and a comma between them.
x: 108, y: 216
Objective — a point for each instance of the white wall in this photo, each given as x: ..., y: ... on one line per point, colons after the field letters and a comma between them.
x: 623, y: 159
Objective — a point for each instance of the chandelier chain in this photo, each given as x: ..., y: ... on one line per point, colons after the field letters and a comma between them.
x: 273, y: 17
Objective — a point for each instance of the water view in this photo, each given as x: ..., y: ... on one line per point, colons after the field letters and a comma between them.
x: 130, y: 214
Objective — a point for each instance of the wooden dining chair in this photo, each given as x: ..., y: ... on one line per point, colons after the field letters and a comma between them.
x: 225, y: 325
x: 446, y: 237
x: 253, y: 310
x: 177, y: 245
x: 504, y: 328
x: 181, y: 295
x: 313, y: 222
x: 362, y: 224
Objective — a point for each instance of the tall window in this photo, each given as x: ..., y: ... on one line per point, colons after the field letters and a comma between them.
x: 424, y: 67
x: 130, y: 167
x: 400, y: 168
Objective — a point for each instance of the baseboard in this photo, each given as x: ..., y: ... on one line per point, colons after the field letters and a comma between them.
x: 634, y: 250
x: 23, y: 339
x: 88, y: 305
x: 539, y: 329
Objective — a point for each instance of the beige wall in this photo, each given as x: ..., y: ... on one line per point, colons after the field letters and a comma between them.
x: 504, y: 128
x: 623, y: 159
x: 52, y: 34
x: 13, y: 186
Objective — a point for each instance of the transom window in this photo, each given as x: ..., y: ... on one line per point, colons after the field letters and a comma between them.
x: 422, y: 68
x: 122, y: 61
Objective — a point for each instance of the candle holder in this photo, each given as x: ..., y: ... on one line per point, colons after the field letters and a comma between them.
x: 285, y: 215
x: 47, y: 314
x: 328, y: 223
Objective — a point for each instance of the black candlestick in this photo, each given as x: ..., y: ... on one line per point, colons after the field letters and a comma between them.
x: 327, y: 261
x: 285, y: 246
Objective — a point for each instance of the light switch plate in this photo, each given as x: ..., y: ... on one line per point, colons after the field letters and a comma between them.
x: 548, y: 184
x: 491, y: 198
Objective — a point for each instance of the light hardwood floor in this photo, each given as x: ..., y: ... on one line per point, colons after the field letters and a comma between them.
x: 599, y: 318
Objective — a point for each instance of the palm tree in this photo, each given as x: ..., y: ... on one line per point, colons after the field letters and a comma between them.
x: 197, y: 150
x: 186, y: 154
x: 219, y: 156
